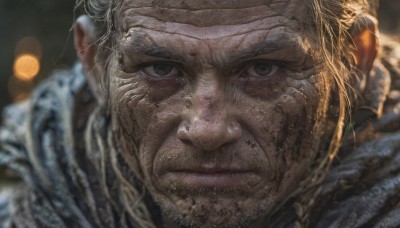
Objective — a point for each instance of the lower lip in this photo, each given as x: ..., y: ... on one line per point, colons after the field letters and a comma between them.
x: 213, y: 180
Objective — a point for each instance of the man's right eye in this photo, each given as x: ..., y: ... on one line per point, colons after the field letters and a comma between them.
x: 161, y: 70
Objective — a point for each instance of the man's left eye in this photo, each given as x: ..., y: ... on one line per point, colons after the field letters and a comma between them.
x: 158, y: 70
x: 262, y: 69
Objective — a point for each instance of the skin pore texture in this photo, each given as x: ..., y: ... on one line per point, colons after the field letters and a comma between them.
x: 221, y: 111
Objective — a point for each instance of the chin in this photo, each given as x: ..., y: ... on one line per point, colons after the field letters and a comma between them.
x: 214, y: 209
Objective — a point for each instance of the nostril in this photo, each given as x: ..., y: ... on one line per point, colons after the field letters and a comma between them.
x: 188, y: 104
x: 183, y: 131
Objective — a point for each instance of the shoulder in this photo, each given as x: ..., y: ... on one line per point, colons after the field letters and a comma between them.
x: 25, y: 121
x: 34, y: 138
x: 363, y: 190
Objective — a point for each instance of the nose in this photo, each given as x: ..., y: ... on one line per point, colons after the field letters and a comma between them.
x: 210, y: 124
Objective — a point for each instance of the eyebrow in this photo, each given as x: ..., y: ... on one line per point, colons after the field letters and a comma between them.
x: 278, y: 43
x: 139, y: 46
x: 158, y: 52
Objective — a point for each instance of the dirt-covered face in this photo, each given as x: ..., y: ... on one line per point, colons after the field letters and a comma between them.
x: 219, y: 103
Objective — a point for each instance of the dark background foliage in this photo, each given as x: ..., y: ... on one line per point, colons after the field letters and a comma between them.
x: 50, y: 21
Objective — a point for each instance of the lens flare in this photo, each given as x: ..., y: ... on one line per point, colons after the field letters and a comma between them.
x: 26, y: 67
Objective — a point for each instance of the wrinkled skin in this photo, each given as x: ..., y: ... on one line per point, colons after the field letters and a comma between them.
x: 218, y: 101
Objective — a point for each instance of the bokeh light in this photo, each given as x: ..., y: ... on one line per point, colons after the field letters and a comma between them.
x: 26, y: 67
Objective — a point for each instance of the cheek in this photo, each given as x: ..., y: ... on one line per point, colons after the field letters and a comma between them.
x: 128, y: 96
x: 136, y: 100
x: 298, y: 110
x: 284, y: 128
x: 145, y: 121
x: 159, y: 90
x: 262, y: 88
x: 288, y: 116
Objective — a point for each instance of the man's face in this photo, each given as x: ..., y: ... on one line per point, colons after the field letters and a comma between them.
x: 218, y: 103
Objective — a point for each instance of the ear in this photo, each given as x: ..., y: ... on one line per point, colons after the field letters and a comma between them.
x: 371, y: 87
x: 365, y: 38
x: 84, y: 42
x: 86, y: 50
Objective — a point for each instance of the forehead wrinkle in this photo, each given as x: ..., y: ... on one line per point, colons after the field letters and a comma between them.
x: 131, y: 19
x: 201, y: 18
x: 141, y: 30
x: 277, y: 5
x: 199, y: 4
x: 209, y: 33
x: 143, y: 44
x: 280, y: 41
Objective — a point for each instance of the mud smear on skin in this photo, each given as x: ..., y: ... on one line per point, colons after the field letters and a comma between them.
x: 289, y: 141
x: 211, y: 213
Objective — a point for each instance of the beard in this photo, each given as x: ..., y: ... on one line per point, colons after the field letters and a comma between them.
x: 186, y: 206
x: 216, y: 211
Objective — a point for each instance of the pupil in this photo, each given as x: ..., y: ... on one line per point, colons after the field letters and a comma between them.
x: 262, y: 68
x: 162, y: 69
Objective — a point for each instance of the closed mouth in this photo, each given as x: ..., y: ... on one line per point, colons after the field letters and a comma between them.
x: 211, y: 177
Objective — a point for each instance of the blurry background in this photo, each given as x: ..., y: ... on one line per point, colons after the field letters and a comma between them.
x: 35, y: 38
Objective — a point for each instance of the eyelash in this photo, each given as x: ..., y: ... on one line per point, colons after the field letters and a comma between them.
x: 142, y: 69
x: 250, y: 66
x: 242, y: 71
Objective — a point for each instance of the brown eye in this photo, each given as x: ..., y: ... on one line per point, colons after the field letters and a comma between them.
x: 161, y: 70
x: 262, y: 69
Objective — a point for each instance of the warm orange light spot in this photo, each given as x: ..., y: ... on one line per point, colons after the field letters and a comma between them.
x: 26, y: 67
x: 367, y: 36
